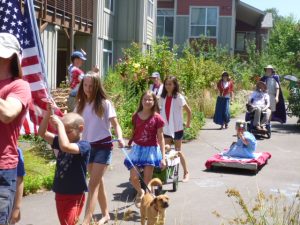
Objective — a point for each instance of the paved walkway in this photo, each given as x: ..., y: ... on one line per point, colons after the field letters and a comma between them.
x: 195, y: 201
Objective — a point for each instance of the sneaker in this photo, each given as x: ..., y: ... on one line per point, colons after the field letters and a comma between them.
x: 138, y: 199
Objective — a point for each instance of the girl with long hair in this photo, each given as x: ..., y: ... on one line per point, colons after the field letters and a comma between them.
x: 148, y: 150
x: 172, y: 104
x: 99, y: 114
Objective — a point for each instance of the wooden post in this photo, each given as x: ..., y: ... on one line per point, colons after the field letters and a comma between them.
x: 72, y: 28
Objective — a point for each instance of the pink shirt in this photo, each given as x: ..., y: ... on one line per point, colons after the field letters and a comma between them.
x: 145, y: 133
x: 20, y: 90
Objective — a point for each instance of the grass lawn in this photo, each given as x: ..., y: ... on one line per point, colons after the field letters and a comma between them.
x: 39, y: 171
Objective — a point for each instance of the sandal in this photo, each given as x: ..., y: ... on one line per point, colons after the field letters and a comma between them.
x: 138, y: 199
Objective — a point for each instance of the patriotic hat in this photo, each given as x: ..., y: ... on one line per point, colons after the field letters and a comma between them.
x: 78, y: 54
x: 9, y: 45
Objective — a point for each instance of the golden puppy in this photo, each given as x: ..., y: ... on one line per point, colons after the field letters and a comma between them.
x: 153, y: 208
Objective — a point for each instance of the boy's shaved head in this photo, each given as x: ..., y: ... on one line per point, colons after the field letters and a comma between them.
x: 73, y: 119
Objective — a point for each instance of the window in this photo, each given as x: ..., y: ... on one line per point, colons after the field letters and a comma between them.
x: 165, y: 25
x: 109, y: 4
x: 150, y: 6
x: 242, y: 38
x: 203, y: 22
x: 107, y: 56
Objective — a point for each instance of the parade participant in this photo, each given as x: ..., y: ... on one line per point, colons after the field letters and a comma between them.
x: 277, y: 104
x: 172, y: 104
x: 156, y: 87
x: 148, y: 150
x: 69, y: 182
x: 259, y: 103
x: 245, y: 145
x: 222, y: 112
x: 99, y: 115
x: 15, y: 96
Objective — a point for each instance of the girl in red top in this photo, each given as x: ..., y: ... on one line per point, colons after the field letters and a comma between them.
x: 148, y: 150
x: 222, y: 113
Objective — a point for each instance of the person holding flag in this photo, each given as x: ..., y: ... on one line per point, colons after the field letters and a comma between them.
x: 15, y: 97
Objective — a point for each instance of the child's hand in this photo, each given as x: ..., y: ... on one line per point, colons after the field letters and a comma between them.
x: 163, y: 164
x: 121, y: 143
x: 50, y: 105
x: 55, y: 120
x: 15, y: 216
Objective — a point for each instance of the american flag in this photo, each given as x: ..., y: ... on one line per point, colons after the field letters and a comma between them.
x: 24, y: 27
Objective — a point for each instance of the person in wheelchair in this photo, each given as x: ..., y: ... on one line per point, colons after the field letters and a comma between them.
x: 259, y: 106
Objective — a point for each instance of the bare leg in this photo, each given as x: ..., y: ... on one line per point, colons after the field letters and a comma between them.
x: 102, y: 199
x: 182, y: 160
x: 148, y: 173
x: 135, y: 181
x: 96, y: 171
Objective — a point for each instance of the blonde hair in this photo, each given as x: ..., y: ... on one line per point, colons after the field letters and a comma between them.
x: 73, y: 120
x: 97, y: 97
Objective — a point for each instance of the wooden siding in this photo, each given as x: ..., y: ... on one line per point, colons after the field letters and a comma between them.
x: 224, y: 32
x: 49, y: 41
x: 183, y: 6
x: 60, y: 12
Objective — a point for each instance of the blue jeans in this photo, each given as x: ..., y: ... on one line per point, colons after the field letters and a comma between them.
x: 8, y: 181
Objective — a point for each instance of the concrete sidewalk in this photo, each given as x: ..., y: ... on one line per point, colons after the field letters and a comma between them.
x: 195, y: 201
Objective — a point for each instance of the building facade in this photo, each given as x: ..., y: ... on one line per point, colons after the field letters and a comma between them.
x: 227, y: 23
x: 102, y: 28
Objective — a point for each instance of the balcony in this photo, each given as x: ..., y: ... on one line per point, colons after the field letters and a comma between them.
x: 67, y: 13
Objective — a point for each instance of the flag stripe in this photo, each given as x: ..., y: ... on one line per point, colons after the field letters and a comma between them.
x: 30, y: 61
x: 33, y: 77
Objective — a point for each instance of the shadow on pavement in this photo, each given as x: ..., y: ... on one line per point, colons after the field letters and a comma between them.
x: 211, y: 128
x: 286, y: 128
x: 120, y: 215
x: 233, y: 171
x: 127, y: 195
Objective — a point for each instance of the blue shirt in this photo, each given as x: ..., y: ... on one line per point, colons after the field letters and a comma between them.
x: 70, y: 174
x: 240, y: 150
x: 20, y: 166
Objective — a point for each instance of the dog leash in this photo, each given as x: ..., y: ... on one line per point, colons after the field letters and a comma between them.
x: 139, y: 174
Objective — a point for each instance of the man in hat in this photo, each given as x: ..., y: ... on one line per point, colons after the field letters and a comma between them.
x: 156, y: 86
x: 15, y: 96
x: 260, y: 103
x: 277, y: 104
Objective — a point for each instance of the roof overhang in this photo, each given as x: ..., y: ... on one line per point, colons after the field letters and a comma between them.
x: 249, y: 14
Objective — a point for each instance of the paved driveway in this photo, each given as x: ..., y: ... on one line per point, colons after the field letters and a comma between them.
x: 195, y: 201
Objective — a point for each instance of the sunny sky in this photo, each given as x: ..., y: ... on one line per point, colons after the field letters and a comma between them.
x: 285, y: 7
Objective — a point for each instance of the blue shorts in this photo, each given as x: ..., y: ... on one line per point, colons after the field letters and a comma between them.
x: 178, y: 135
x: 20, y: 167
x: 101, y: 156
x: 8, y: 181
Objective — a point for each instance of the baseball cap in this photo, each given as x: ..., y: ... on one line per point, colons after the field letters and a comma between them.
x: 78, y: 54
x: 155, y: 75
x: 9, y: 45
